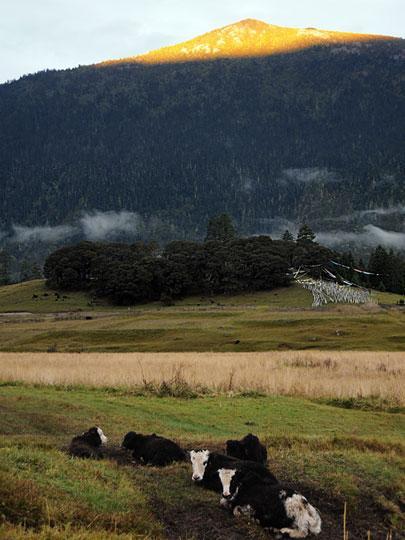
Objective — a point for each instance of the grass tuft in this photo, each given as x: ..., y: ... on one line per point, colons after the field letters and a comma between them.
x: 371, y: 403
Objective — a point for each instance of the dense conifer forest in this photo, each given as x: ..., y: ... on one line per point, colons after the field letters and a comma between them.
x: 307, y: 135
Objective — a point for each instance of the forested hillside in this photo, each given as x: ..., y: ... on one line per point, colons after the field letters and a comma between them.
x: 315, y: 134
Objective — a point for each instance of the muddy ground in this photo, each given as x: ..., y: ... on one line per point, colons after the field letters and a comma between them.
x: 206, y: 520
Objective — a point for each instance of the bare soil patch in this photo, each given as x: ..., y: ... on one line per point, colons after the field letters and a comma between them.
x: 208, y: 521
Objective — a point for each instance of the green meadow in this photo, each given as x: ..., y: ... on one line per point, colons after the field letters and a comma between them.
x: 332, y: 454
x: 33, y: 318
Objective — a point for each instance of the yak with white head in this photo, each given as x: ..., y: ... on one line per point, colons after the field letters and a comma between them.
x: 226, y: 475
x: 102, y: 436
x: 206, y: 465
x: 88, y: 444
x: 199, y: 462
x: 273, y: 506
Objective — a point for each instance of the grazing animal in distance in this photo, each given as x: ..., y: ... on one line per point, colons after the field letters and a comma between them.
x: 205, y: 466
x: 153, y: 449
x: 88, y: 444
x: 249, y: 448
x: 273, y: 506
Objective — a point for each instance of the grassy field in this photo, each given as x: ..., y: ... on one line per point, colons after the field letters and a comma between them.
x: 275, y: 320
x: 379, y: 376
x: 34, y: 297
x: 222, y: 329
x: 333, y: 422
x: 333, y: 454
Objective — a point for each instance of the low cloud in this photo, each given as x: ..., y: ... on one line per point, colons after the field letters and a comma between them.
x: 308, y: 175
x: 371, y: 213
x: 42, y: 234
x: 399, y: 209
x: 370, y: 236
x: 108, y: 225
x: 92, y: 226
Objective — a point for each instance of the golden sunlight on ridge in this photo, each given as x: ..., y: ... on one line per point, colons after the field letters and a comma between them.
x: 249, y: 38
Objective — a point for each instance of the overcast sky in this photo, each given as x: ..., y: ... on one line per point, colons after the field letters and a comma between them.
x: 39, y: 34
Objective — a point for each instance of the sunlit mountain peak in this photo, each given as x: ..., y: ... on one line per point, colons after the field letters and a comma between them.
x: 249, y: 38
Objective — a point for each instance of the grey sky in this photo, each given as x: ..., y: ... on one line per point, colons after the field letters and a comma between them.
x: 40, y: 34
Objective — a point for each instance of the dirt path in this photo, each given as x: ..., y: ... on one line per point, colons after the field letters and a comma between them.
x: 203, y: 522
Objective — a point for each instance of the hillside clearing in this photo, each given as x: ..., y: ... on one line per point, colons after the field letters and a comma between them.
x: 34, y: 297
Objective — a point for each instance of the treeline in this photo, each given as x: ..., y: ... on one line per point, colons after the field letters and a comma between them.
x: 386, y: 268
x: 222, y: 264
x: 13, y: 270
x: 130, y: 274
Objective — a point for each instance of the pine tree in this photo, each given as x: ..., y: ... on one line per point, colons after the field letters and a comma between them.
x: 364, y: 279
x: 30, y: 271
x: 305, y: 234
x: 5, y: 261
x: 287, y: 236
x: 378, y: 266
x: 25, y: 271
x: 220, y: 228
x: 36, y: 271
x: 348, y: 260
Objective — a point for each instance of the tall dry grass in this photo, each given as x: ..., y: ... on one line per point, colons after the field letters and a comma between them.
x: 311, y: 374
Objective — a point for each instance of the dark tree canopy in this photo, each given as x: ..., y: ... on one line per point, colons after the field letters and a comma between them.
x: 220, y: 228
x: 130, y: 274
x: 305, y: 234
x: 287, y: 236
x: 5, y: 263
x: 389, y: 270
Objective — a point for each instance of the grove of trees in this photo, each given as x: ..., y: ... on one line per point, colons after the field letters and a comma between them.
x: 223, y: 264
x: 129, y: 274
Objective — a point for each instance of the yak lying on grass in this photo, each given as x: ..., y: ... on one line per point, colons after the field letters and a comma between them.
x: 246, y: 493
x: 152, y: 449
x: 206, y: 464
x: 88, y: 444
x: 249, y: 448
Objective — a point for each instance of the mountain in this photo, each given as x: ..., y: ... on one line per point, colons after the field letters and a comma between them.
x: 248, y: 38
x: 274, y: 125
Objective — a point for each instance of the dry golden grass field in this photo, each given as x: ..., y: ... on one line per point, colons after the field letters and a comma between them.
x: 312, y: 374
